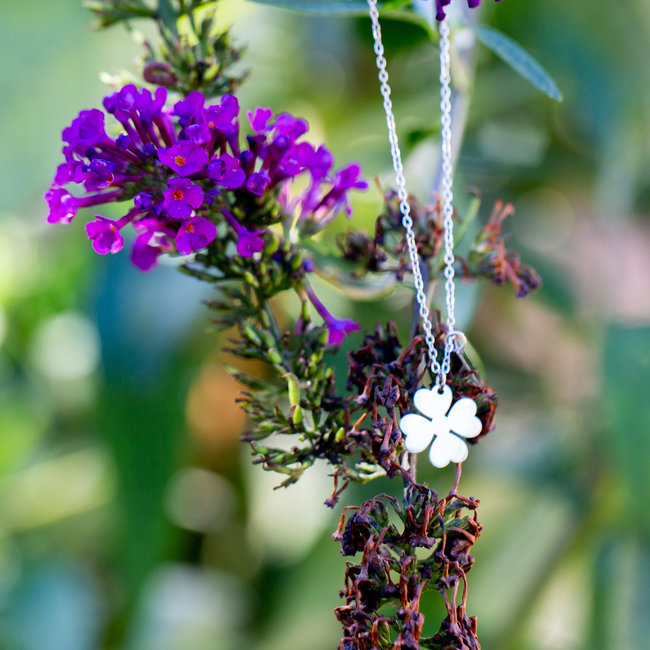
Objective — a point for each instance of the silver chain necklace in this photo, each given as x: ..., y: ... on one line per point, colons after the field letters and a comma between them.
x: 440, y: 419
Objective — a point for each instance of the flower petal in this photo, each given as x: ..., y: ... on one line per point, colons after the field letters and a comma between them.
x: 433, y: 403
x: 462, y: 418
x: 446, y: 449
x: 418, y: 432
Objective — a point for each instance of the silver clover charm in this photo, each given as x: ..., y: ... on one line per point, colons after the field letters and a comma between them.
x: 445, y: 426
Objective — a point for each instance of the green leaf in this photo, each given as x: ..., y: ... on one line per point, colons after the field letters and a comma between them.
x: 621, y: 593
x: 328, y: 6
x: 518, y: 59
x: 391, y: 10
x: 626, y: 380
x: 168, y: 15
x: 468, y: 217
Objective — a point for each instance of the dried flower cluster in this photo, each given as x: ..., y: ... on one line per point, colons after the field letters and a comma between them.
x: 392, y: 575
x: 385, y: 251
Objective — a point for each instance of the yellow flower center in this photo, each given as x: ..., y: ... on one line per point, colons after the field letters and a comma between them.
x: 179, y: 160
x: 177, y: 195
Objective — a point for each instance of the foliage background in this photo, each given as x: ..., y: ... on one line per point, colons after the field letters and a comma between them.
x: 130, y: 516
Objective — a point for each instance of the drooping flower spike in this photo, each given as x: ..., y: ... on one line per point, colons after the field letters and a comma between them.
x: 182, y: 167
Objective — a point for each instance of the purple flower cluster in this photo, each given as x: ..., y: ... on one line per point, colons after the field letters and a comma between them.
x: 441, y: 4
x: 182, y: 167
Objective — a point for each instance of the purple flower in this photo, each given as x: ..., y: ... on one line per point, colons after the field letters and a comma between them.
x: 63, y: 206
x: 123, y: 103
x: 105, y: 235
x: 155, y: 238
x: 184, y: 158
x: 345, y: 180
x: 195, y: 234
x: 66, y: 173
x: 143, y: 201
x: 297, y: 159
x: 155, y: 157
x: 222, y: 116
x: 321, y: 163
x: 123, y: 141
x: 260, y: 119
x: 189, y: 109
x: 181, y: 196
x: 199, y: 133
x: 248, y: 242
x: 150, y: 106
x: 348, y: 178
x: 226, y: 171
x: 143, y: 255
x: 99, y: 174
x: 441, y: 4
x: 338, y: 328
x: 257, y: 182
x: 86, y: 130
x: 289, y: 126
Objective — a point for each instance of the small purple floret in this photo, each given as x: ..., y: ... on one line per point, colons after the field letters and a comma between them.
x: 338, y: 328
x: 63, y: 206
x: 195, y: 234
x: 181, y: 197
x: 155, y: 237
x: 184, y: 158
x: 105, y: 235
x: 222, y: 116
x: 248, y: 242
x: 260, y: 119
x: 99, y: 174
x: 345, y: 180
x: 199, y: 133
x: 143, y: 201
x: 143, y: 255
x: 189, y: 109
x: 86, y: 130
x: 226, y: 171
x: 257, y: 182
x: 289, y: 126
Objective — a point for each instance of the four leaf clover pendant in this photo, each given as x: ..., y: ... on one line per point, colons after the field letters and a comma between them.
x: 441, y: 426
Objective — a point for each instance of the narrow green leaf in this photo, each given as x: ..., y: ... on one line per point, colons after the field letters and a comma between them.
x: 168, y: 15
x: 468, y: 217
x: 518, y: 59
x: 391, y: 9
x: 621, y: 592
x: 626, y: 380
x: 320, y: 6
x: 328, y: 6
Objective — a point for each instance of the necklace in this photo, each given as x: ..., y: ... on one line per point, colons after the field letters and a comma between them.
x: 441, y: 424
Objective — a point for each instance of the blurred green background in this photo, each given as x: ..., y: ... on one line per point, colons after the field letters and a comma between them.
x: 130, y: 515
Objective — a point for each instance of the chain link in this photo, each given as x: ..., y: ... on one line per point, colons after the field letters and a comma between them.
x: 455, y: 339
x: 405, y: 208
